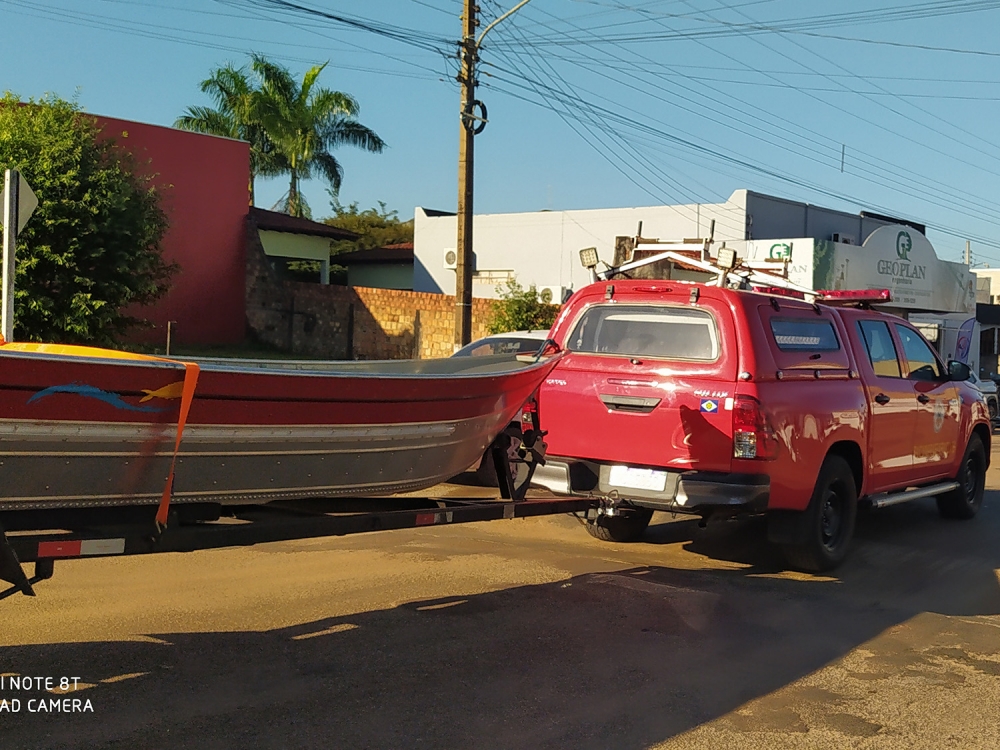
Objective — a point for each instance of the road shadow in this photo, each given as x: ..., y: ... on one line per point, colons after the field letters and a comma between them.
x: 622, y: 659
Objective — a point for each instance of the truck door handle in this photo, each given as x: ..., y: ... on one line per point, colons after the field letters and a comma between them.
x: 629, y: 403
x: 923, y: 398
x: 881, y: 399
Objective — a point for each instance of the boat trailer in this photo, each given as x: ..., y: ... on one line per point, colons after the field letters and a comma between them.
x: 44, y: 536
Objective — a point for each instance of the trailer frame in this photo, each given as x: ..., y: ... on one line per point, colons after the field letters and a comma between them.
x: 46, y: 535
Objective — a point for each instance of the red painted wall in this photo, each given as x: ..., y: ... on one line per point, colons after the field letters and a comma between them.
x: 204, y: 186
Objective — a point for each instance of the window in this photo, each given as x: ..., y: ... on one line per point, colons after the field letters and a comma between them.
x: 919, y: 355
x: 804, y: 335
x: 881, y: 350
x: 646, y: 331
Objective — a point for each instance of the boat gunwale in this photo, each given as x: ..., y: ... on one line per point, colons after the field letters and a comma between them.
x: 362, y: 367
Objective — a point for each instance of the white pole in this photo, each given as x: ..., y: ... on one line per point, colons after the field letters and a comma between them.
x: 11, y: 183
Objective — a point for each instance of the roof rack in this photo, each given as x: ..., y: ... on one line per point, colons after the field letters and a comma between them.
x: 727, y: 268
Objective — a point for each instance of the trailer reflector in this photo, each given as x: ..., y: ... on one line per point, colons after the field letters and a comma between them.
x: 102, y: 547
x: 429, y: 519
x: 81, y: 548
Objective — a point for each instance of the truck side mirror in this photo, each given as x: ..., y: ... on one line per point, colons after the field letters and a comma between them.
x: 958, y: 371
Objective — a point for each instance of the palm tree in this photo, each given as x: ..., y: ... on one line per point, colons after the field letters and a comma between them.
x: 304, y: 123
x: 234, y: 96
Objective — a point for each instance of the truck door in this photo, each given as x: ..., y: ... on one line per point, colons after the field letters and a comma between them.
x: 937, y: 407
x: 891, y: 398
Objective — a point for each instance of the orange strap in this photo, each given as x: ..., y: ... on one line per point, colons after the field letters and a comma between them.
x: 191, y: 371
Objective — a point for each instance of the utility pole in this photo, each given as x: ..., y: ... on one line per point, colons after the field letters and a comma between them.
x: 968, y: 253
x: 473, y: 120
x: 466, y: 143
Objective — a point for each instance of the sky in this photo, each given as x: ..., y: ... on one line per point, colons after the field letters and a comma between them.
x: 872, y: 105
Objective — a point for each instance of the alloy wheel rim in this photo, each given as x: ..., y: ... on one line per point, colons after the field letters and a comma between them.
x: 971, y: 480
x: 832, y: 518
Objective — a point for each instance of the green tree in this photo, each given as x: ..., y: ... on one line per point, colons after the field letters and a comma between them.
x: 233, y: 117
x: 519, y: 309
x: 377, y: 227
x: 305, y: 123
x: 92, y: 249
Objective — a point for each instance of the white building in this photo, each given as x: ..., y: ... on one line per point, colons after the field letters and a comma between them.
x: 542, y: 247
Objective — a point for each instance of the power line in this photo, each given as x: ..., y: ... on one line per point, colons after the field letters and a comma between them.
x: 598, y: 66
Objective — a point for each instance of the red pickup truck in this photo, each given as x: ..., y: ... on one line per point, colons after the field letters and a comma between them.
x: 713, y: 401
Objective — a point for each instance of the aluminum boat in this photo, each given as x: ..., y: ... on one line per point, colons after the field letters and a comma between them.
x: 85, y: 427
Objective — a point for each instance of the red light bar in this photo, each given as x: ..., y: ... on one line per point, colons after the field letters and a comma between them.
x: 854, y: 295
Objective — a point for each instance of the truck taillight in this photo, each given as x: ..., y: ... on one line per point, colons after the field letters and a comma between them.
x: 753, y: 436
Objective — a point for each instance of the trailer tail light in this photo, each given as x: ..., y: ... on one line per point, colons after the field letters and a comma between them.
x: 529, y: 415
x: 753, y: 436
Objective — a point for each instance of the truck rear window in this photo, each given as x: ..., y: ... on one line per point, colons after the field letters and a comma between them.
x: 646, y: 331
x: 804, y: 335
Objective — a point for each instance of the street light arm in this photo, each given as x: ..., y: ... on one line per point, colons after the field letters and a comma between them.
x: 510, y: 12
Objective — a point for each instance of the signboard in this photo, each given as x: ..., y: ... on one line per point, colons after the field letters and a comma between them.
x: 894, y: 257
x: 27, y: 202
x: 901, y: 259
x: 964, y: 343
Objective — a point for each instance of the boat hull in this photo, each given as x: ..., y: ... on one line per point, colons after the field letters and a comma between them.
x: 85, y: 432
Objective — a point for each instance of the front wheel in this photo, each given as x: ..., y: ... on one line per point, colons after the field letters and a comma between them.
x: 628, y: 526
x: 965, y: 500
x: 828, y: 521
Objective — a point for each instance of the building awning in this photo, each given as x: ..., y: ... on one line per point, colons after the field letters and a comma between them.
x: 272, y: 221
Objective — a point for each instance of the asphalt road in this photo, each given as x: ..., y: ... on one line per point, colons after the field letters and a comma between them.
x: 524, y: 634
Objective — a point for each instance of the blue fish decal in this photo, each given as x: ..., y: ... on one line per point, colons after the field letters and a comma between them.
x: 90, y: 391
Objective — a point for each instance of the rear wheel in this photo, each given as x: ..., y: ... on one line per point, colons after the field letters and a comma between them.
x: 828, y: 521
x: 966, y: 499
x: 628, y: 526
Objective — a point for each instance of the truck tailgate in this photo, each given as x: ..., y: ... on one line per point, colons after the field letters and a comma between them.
x: 644, y: 385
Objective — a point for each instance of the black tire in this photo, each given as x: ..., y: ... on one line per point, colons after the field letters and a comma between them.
x: 629, y: 526
x: 828, y: 521
x: 486, y: 473
x: 965, y: 501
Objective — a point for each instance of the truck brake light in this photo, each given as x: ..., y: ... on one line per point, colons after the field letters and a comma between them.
x: 753, y: 436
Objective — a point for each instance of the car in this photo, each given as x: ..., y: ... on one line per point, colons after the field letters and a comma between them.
x: 515, y: 342
x: 989, y: 390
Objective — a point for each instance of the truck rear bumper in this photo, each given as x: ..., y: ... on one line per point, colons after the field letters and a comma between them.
x: 686, y: 491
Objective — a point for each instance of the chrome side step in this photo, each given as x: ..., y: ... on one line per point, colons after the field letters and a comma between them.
x: 885, y: 499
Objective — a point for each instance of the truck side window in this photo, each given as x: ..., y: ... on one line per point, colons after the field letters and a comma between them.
x: 920, y: 357
x: 881, y: 350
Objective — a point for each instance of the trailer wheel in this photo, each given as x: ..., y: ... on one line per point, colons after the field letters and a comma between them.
x: 629, y: 526
x: 965, y: 500
x: 828, y: 521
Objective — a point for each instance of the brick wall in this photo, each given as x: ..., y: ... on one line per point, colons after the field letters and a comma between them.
x: 337, y: 322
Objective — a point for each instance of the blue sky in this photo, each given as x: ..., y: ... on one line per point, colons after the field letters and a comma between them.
x: 592, y: 103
